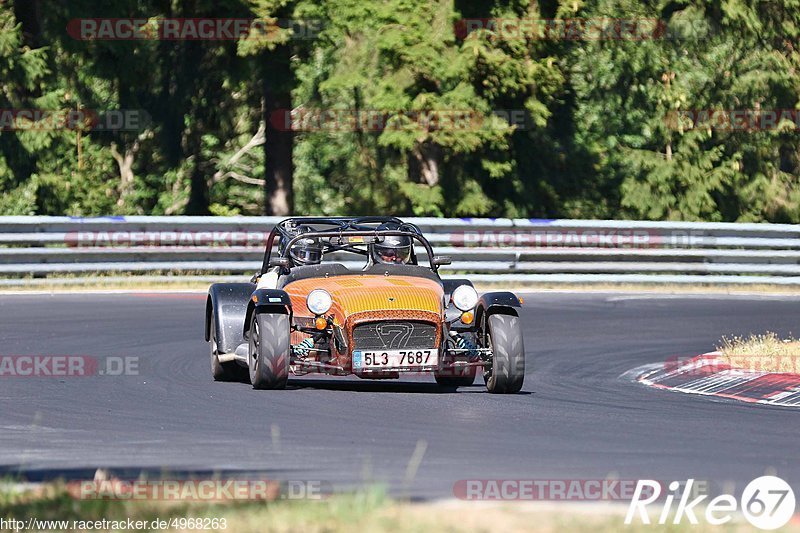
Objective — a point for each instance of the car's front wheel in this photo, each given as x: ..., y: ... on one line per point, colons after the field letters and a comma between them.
x: 503, y: 334
x: 269, y: 350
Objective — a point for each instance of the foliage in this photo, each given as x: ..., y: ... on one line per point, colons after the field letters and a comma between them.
x: 556, y: 127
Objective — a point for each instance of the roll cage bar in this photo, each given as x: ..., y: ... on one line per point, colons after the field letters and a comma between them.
x: 337, y: 238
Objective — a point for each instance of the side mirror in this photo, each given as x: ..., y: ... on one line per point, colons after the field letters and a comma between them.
x: 440, y: 260
x: 282, y: 262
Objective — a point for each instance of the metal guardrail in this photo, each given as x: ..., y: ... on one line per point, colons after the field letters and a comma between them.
x: 489, y: 250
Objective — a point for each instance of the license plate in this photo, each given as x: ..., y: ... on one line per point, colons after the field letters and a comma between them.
x: 394, y: 358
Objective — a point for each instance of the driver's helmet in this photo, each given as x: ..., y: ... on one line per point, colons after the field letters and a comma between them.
x: 393, y: 249
x: 305, y: 251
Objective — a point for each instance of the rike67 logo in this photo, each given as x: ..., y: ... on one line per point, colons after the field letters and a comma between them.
x: 767, y: 503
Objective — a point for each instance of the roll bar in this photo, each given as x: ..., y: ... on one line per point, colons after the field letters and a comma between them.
x: 343, y: 227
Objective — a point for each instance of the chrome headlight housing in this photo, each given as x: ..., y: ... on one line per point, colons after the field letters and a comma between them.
x: 319, y: 301
x: 465, y: 298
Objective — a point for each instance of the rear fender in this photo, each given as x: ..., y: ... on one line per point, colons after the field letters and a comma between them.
x: 228, y: 301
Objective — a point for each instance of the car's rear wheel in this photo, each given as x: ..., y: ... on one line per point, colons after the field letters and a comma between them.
x: 503, y: 335
x: 461, y: 377
x: 269, y: 350
x: 230, y: 371
x: 454, y: 376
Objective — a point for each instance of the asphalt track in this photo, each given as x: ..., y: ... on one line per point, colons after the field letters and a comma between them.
x: 575, y: 419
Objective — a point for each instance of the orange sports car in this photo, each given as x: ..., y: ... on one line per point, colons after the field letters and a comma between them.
x: 360, y: 295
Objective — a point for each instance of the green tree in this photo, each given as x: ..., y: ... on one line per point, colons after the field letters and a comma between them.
x: 739, y: 57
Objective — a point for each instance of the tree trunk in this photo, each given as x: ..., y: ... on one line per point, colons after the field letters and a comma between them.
x: 423, y: 165
x: 198, y: 182
x: 279, y: 167
x: 126, y: 175
x: 29, y: 14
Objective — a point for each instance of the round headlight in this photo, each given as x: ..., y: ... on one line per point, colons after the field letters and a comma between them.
x: 319, y: 301
x: 465, y: 297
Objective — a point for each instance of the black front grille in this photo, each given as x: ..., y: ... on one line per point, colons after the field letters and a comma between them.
x: 394, y: 335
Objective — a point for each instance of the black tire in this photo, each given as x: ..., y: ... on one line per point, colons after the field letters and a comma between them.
x: 504, y: 337
x: 462, y: 377
x: 269, y: 351
x: 453, y: 382
x: 230, y: 371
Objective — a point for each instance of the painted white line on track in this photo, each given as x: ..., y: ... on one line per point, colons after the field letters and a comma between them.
x: 627, y: 294
x: 717, y: 385
x: 704, y: 296
x: 611, y: 296
x: 102, y: 292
